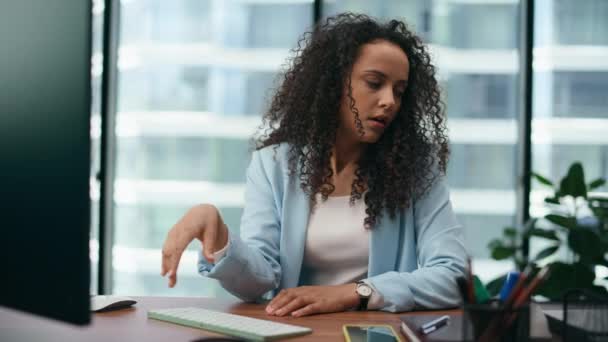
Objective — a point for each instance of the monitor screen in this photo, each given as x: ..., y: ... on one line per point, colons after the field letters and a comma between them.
x: 45, y: 72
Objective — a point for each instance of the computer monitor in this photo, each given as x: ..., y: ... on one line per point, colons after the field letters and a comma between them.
x: 45, y: 63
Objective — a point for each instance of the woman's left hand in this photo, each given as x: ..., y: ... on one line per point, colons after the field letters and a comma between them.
x: 308, y: 300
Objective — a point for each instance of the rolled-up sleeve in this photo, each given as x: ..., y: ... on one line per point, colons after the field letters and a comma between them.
x: 250, y: 267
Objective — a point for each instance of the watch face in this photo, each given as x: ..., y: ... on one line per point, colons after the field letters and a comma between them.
x: 364, y: 290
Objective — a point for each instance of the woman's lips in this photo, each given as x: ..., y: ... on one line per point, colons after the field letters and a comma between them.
x: 377, y: 124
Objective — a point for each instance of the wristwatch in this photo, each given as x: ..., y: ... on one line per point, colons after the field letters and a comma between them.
x: 365, y: 292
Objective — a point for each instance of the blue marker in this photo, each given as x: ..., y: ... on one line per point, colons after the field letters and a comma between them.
x: 510, y: 281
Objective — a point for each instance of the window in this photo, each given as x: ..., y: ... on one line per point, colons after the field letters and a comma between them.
x: 194, y: 76
x: 570, y: 115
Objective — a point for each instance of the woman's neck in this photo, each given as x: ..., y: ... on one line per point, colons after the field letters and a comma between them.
x: 345, y: 156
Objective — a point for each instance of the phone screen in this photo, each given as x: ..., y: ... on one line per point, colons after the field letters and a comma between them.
x: 370, y: 334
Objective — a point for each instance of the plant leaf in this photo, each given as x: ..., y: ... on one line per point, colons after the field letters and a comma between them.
x: 495, y: 285
x: 542, y: 179
x: 544, y: 233
x: 599, y: 207
x: 599, y: 290
x: 566, y: 276
x: 551, y: 200
x: 585, y: 243
x: 502, y: 252
x: 495, y: 244
x: 574, y: 182
x: 597, y: 183
x: 510, y: 232
x: 602, y: 261
x: 599, y: 199
x: 546, y: 252
x: 563, y: 221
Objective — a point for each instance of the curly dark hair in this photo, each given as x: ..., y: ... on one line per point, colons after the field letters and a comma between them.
x: 412, y: 152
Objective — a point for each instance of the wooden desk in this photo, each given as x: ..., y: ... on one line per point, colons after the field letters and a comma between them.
x: 133, y: 325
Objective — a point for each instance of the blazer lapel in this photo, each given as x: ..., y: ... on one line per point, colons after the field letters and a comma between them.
x: 384, y: 246
x: 296, y: 213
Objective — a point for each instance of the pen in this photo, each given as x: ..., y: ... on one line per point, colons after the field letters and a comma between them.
x: 435, y: 324
x: 527, y: 292
x: 507, y: 287
x: 521, y: 297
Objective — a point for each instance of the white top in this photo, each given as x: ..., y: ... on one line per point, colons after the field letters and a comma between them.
x: 337, y: 245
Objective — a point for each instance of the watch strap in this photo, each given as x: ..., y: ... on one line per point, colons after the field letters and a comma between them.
x: 363, y: 303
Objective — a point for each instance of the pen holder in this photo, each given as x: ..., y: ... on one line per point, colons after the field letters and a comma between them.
x: 493, y: 322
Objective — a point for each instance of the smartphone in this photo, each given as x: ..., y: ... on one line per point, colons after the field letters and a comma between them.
x: 370, y: 333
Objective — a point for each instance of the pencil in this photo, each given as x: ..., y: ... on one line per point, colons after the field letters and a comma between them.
x: 526, y: 292
x: 497, y: 325
x: 463, y: 289
x: 525, y: 295
x: 470, y: 286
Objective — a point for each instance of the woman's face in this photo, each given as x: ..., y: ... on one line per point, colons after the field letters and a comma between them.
x: 378, y: 80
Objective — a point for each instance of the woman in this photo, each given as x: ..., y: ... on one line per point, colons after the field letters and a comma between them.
x: 346, y: 206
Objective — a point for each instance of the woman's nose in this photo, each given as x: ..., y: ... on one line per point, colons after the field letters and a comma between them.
x: 387, y: 99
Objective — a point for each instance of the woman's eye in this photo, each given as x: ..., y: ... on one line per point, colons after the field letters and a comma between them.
x: 373, y: 85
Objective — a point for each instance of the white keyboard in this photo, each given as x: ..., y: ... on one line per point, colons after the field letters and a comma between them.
x: 229, y: 324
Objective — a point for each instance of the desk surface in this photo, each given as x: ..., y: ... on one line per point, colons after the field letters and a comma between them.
x: 132, y: 324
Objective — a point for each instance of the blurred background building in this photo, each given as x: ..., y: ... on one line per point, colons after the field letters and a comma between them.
x: 194, y: 77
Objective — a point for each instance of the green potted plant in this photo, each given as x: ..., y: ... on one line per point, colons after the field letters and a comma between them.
x: 577, y: 222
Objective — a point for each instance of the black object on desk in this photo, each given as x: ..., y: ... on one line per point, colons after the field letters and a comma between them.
x: 583, y: 317
x: 496, y: 322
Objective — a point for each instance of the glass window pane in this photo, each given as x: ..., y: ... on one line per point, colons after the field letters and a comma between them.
x: 474, y: 25
x: 495, y: 96
x: 194, y: 79
x: 570, y: 115
x: 578, y: 22
x: 482, y: 166
x: 412, y: 11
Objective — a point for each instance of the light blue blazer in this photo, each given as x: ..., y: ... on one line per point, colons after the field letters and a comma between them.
x: 414, y: 259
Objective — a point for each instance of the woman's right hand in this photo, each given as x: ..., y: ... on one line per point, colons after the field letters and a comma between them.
x: 202, y: 222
